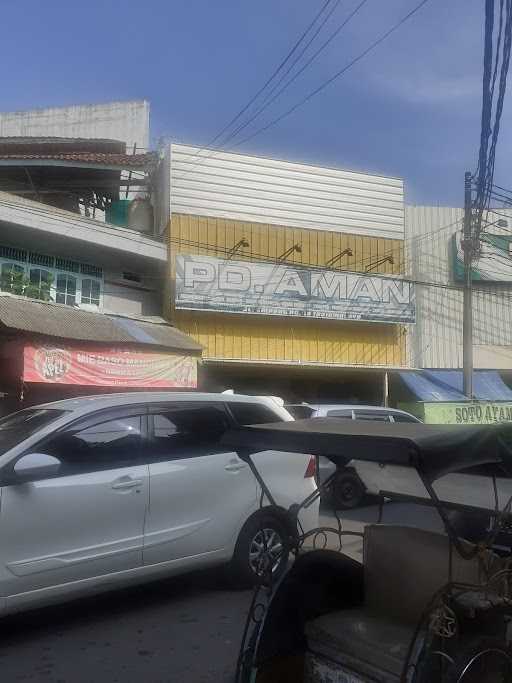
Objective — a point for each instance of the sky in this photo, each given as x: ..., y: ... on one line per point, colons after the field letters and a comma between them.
x: 410, y: 109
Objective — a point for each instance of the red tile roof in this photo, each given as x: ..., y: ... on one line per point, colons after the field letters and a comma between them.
x: 100, y: 158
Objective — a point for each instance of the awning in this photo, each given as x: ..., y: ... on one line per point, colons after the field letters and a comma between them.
x: 446, y: 385
x: 19, y: 314
x: 59, y: 344
x: 435, y: 450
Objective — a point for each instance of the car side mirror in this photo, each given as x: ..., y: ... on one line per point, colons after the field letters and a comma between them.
x: 36, y: 466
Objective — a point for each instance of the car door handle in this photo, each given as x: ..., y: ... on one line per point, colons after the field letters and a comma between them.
x: 235, y: 466
x: 126, y: 484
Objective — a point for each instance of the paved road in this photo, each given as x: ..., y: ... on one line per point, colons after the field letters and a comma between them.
x: 184, y: 630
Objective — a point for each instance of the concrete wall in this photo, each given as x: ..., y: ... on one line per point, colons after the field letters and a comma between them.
x: 126, y: 121
x: 122, y: 297
x: 247, y: 188
x: 119, y: 294
x: 436, y: 339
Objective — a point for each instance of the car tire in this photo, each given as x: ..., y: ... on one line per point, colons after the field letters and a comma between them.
x: 251, y: 558
x: 348, y: 490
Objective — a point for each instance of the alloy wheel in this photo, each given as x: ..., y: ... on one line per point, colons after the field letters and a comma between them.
x: 265, y: 551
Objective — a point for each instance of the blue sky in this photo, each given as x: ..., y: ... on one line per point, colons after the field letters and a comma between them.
x: 410, y: 109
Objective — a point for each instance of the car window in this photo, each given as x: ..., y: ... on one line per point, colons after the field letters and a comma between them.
x: 106, y: 445
x: 19, y: 426
x: 300, y: 412
x: 252, y: 413
x: 375, y: 416
x: 343, y: 414
x: 187, y: 432
x: 398, y: 417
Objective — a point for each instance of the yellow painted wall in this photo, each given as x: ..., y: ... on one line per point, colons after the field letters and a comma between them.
x: 273, y: 338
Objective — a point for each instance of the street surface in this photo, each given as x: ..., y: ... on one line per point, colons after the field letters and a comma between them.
x: 183, y: 630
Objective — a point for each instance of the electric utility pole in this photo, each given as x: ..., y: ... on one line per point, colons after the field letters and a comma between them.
x: 467, y: 326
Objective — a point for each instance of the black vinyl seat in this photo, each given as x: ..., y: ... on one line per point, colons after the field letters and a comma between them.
x: 404, y: 568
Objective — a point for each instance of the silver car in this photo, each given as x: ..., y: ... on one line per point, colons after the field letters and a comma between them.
x: 348, y: 491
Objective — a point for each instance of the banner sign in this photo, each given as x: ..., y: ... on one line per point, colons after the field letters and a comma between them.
x: 204, y: 283
x: 486, y: 412
x: 492, y: 263
x: 107, y: 367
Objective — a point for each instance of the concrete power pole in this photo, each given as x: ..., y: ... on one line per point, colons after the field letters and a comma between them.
x: 467, y: 326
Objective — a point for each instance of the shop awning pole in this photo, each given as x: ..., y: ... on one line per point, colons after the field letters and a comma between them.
x: 385, y: 401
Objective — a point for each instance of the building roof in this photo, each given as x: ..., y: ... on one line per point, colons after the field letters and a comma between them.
x: 50, y: 220
x: 96, y: 158
x: 96, y: 151
x: 19, y: 314
x: 51, y: 144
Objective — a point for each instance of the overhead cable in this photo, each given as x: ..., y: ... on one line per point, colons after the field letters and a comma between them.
x: 337, y: 75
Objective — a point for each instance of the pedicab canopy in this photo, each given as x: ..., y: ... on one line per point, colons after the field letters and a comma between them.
x: 434, y: 450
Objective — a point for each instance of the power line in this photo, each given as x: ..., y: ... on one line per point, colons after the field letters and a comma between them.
x: 262, y: 257
x: 270, y: 78
x: 268, y: 102
x: 339, y: 73
x: 311, y: 266
x: 494, y: 61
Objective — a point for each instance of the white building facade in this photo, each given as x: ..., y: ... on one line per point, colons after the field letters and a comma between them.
x: 432, y: 244
x: 90, y: 262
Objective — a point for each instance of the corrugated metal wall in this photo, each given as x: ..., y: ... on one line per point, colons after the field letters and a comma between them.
x: 211, y: 183
x: 436, y: 339
x: 257, y: 338
x: 288, y: 339
x: 217, y: 236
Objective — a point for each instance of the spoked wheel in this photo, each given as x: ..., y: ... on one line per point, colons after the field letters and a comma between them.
x: 484, y: 660
x: 265, y: 551
x: 261, y: 551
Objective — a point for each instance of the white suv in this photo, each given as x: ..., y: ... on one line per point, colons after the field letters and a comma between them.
x: 99, y: 491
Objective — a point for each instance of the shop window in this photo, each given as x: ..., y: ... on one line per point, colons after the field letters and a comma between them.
x: 12, y: 278
x: 40, y: 282
x: 91, y: 290
x: 66, y: 290
x: 87, y: 269
x: 66, y: 264
x: 41, y: 259
x: 12, y: 253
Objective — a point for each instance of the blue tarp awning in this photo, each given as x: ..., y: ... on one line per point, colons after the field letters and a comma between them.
x: 446, y: 385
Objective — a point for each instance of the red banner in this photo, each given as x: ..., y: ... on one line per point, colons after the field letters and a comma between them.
x: 107, y: 367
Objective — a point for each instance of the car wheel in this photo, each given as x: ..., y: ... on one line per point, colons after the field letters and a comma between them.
x: 261, y: 551
x: 348, y: 490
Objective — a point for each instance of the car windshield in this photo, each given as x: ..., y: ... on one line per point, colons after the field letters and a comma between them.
x: 19, y: 426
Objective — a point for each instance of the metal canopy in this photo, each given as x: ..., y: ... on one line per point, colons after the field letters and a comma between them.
x: 434, y: 450
x: 446, y: 385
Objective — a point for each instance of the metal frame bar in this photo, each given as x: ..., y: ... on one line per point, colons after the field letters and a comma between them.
x: 245, y: 455
x: 438, y: 504
x: 403, y: 497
